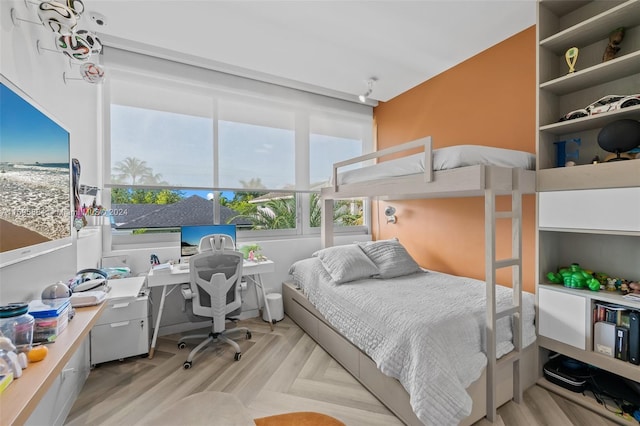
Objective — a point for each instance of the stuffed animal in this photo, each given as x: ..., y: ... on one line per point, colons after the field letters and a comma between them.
x: 574, y: 277
x: 615, y: 38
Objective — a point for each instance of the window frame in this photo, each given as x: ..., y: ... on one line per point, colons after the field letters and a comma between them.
x: 115, y: 239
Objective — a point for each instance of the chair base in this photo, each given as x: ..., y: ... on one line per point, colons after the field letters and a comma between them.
x: 213, y: 338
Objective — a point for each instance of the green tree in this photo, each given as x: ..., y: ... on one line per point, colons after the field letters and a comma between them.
x: 274, y: 214
x: 134, y: 171
x: 342, y: 215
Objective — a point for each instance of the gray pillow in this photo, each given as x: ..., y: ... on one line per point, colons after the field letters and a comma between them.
x: 346, y: 263
x: 391, y: 258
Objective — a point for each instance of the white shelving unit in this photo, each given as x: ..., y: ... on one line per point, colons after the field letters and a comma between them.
x: 590, y: 213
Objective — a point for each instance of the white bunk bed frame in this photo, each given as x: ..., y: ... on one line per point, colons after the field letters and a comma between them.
x: 499, y: 383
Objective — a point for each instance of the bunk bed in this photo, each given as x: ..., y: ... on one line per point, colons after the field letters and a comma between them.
x: 487, y: 176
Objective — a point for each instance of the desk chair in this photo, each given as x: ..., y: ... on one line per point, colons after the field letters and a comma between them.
x: 214, y: 293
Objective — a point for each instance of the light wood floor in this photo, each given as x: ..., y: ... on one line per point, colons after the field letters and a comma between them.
x: 280, y: 371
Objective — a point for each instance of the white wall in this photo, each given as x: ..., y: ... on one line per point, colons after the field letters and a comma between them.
x: 75, y: 105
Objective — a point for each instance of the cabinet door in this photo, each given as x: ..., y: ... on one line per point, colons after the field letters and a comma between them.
x: 562, y: 317
x: 616, y: 209
x: 56, y: 404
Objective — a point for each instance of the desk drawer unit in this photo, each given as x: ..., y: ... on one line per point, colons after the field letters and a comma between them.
x: 123, y: 328
x: 119, y: 340
x: 121, y: 310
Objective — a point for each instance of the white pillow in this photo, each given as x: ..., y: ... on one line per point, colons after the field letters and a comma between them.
x: 346, y: 263
x: 391, y: 258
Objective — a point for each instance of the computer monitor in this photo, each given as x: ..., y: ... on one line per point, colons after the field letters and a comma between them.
x: 190, y: 236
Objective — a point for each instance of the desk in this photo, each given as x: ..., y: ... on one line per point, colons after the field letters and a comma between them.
x: 177, y: 276
x: 18, y: 401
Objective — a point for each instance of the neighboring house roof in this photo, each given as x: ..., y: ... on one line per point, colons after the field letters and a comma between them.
x: 194, y: 210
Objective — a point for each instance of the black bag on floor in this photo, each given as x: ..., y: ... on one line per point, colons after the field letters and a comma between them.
x: 567, y: 373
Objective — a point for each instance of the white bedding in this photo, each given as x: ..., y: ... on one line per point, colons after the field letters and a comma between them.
x: 424, y: 329
x: 444, y: 158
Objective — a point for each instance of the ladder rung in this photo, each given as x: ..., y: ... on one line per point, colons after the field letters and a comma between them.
x: 504, y: 215
x: 512, y: 310
x: 504, y: 263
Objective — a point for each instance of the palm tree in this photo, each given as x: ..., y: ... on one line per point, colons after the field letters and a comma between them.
x: 342, y: 215
x: 274, y: 214
x: 133, y: 169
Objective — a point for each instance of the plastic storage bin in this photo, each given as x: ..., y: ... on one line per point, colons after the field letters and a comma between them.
x: 51, y: 318
x: 17, y: 324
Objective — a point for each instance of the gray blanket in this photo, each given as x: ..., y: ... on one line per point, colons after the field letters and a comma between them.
x: 425, y: 329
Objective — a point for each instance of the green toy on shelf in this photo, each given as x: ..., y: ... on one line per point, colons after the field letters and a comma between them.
x: 574, y: 277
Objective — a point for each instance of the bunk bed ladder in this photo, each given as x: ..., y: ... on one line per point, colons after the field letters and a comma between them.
x: 491, y: 267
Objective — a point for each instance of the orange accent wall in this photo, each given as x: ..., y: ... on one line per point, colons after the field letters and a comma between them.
x: 488, y: 100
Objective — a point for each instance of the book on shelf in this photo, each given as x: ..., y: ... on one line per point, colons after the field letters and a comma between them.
x: 616, y: 331
x: 622, y: 343
x: 615, y: 314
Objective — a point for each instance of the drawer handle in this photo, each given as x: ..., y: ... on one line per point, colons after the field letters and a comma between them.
x: 120, y: 305
x: 67, y: 371
x: 119, y: 324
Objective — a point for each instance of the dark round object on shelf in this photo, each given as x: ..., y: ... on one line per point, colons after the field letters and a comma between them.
x: 620, y: 136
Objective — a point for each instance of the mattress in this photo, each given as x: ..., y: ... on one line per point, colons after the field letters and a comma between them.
x: 443, y: 159
x: 425, y: 329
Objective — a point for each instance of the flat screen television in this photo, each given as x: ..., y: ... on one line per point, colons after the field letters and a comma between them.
x: 190, y: 236
x: 35, y: 178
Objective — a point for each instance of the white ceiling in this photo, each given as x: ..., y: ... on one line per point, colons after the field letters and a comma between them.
x: 323, y: 46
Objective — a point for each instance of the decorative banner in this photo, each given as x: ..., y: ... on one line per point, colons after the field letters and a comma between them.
x: 92, y: 73
x: 75, y: 47
x: 572, y: 57
x: 58, y: 17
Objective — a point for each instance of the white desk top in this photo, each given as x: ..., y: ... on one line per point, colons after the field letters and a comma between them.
x: 125, y: 287
x: 178, y: 276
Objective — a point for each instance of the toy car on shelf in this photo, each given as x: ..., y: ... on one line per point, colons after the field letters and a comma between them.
x: 605, y: 104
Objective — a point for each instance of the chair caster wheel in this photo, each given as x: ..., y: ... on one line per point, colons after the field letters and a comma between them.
x: 182, y: 345
x: 273, y: 321
x: 248, y: 335
x: 236, y: 357
x: 187, y: 365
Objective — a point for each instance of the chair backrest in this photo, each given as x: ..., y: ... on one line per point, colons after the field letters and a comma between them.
x: 215, y: 284
x: 216, y: 242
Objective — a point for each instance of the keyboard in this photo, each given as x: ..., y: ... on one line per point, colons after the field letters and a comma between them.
x: 182, y: 266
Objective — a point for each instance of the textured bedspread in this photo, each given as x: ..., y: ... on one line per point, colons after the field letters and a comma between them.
x: 425, y: 329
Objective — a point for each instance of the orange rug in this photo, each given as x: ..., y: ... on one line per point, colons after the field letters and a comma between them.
x: 304, y: 418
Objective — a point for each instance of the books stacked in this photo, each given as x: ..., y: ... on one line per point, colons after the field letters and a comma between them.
x: 616, y: 332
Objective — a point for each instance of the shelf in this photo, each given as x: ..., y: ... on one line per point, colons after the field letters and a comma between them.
x: 613, y: 365
x: 618, y: 174
x: 592, y: 122
x: 595, y: 28
x: 584, y: 399
x: 590, y: 231
x: 614, y: 69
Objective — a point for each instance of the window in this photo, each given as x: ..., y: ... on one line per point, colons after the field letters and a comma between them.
x: 187, y: 146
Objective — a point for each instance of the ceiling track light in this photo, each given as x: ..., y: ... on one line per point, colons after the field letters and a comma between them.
x: 365, y: 95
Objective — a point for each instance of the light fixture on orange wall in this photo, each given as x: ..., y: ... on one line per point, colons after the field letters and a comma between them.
x: 365, y: 95
x: 390, y: 213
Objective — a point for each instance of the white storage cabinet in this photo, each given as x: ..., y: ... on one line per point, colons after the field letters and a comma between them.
x: 123, y: 328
